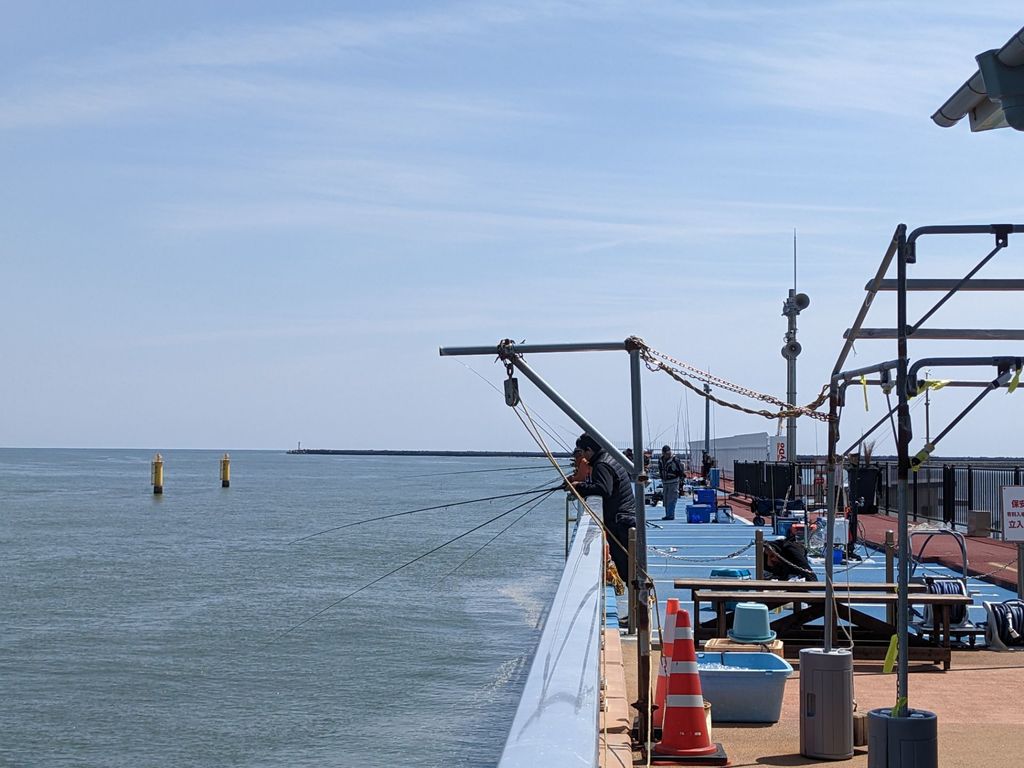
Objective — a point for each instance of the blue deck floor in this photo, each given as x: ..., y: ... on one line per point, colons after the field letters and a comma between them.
x: 677, y: 549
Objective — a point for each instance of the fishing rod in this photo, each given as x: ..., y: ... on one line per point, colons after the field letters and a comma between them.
x: 422, y: 509
x: 393, y: 571
x: 536, y: 504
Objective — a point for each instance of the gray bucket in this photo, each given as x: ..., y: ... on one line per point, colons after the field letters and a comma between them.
x: 903, y: 742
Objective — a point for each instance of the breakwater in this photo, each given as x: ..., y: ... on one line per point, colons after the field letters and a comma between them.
x: 393, y: 452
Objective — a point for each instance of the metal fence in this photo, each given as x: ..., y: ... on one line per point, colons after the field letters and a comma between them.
x: 945, y: 493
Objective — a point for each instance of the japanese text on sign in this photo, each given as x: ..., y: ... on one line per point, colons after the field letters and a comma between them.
x: 1013, y: 513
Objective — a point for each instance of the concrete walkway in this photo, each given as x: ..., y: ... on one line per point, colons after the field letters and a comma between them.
x: 979, y: 721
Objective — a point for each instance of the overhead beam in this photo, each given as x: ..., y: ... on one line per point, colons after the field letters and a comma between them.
x: 961, y: 334
x: 940, y: 284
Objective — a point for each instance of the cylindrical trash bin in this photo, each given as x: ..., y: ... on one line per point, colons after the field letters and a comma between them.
x: 903, y: 742
x: 826, y: 704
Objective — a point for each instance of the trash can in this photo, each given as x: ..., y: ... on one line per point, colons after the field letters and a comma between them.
x: 826, y: 704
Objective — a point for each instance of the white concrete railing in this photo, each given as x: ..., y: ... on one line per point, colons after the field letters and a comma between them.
x: 556, y: 723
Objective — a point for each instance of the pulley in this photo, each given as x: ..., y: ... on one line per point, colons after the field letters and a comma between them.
x: 511, y: 387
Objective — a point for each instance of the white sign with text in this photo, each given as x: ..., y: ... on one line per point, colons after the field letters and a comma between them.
x: 1013, y: 513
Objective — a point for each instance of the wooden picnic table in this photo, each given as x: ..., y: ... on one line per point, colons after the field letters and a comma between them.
x: 863, y: 626
x: 792, y: 586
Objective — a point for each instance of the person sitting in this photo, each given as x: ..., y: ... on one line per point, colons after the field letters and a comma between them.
x: 787, y: 559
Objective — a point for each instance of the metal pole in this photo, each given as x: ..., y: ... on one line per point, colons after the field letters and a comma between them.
x: 643, y: 625
x: 571, y: 412
x: 707, y: 421
x: 1020, y: 571
x: 791, y: 384
x: 890, y: 539
x: 758, y: 554
x: 904, y: 435
x: 630, y: 581
x: 830, y: 510
x: 506, y: 348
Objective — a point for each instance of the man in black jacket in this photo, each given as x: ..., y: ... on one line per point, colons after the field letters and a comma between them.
x: 670, y: 469
x: 609, y: 481
x: 786, y: 559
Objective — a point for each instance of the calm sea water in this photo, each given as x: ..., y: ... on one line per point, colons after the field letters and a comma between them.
x: 147, y: 631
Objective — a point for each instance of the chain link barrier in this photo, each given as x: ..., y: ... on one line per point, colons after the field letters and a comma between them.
x: 682, y: 372
x: 668, y: 555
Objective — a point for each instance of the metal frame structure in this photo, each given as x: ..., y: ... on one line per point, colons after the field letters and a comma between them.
x: 512, y: 355
x: 902, y: 374
x: 993, y: 97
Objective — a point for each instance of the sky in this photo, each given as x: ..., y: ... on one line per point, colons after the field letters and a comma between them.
x: 252, y: 224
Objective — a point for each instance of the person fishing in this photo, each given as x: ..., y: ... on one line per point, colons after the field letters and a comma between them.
x: 787, y: 559
x: 610, y: 481
x: 580, y: 467
x: 671, y: 470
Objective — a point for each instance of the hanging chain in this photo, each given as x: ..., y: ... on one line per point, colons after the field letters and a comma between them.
x: 678, y: 370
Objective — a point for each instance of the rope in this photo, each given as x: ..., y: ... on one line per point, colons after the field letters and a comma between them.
x: 678, y: 370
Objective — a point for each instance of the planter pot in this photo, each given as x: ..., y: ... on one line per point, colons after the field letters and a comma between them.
x: 902, y: 742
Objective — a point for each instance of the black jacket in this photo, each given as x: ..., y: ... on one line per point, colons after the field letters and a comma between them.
x: 793, y: 561
x: 670, y: 469
x: 610, y: 481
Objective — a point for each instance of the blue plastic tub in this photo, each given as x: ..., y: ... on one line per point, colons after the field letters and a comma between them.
x: 730, y: 573
x: 705, y: 496
x: 748, y: 689
x: 698, y: 513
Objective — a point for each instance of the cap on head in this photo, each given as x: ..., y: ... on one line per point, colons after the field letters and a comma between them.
x: 586, y: 442
x: 666, y: 449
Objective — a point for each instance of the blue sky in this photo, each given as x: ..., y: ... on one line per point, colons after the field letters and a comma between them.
x: 246, y: 224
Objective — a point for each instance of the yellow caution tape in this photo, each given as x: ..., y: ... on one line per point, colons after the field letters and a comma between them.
x: 930, y: 384
x: 921, y: 457
x: 864, y: 384
x: 890, y: 655
x: 1013, y: 382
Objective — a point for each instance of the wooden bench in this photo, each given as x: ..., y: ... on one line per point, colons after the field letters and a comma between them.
x: 863, y: 626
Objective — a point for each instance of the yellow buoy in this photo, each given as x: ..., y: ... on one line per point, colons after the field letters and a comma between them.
x: 158, y: 474
x: 225, y: 472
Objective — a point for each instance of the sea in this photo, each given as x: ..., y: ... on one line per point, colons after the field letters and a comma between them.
x: 246, y: 627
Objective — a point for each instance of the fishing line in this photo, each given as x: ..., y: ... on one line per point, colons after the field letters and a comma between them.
x: 545, y: 467
x: 536, y: 504
x: 379, y: 579
x: 562, y: 443
x: 422, y: 509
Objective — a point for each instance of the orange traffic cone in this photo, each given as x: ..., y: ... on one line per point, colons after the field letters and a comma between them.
x: 671, y: 608
x: 684, y: 738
